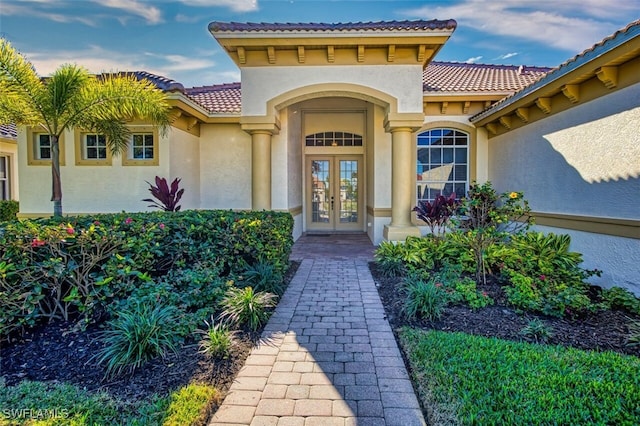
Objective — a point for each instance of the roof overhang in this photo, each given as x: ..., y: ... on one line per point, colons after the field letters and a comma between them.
x: 611, y: 64
x: 408, y: 42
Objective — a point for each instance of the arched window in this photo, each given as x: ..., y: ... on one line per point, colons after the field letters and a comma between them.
x: 442, y: 163
x: 333, y: 139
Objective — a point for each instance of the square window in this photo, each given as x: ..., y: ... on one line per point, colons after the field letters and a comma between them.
x: 95, y: 147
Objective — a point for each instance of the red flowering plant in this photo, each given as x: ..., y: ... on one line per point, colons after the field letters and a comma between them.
x: 437, y: 214
x: 166, y: 197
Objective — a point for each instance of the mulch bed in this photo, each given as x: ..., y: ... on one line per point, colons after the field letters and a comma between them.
x: 600, y: 331
x: 56, y: 353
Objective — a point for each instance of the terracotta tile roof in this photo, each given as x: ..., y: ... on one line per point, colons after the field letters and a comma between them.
x: 608, y: 43
x: 464, y: 77
x: 8, y: 131
x: 218, y: 99
x: 320, y: 27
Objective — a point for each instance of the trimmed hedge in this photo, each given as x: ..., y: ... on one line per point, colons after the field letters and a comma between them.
x: 71, y: 268
x: 8, y: 210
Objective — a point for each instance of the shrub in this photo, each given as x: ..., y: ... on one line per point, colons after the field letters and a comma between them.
x: 167, y: 196
x: 217, y: 340
x: 245, y: 306
x: 620, y: 298
x: 389, y: 259
x: 264, y: 276
x: 436, y: 215
x: 425, y: 299
x: 191, y: 405
x: 537, y: 331
x: 136, y: 335
x: 8, y: 210
x: 543, y: 275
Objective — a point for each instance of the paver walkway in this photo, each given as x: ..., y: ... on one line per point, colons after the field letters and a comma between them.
x: 328, y: 355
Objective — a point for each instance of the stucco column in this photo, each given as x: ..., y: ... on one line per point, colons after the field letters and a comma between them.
x: 261, y: 129
x: 261, y: 170
x: 402, y: 188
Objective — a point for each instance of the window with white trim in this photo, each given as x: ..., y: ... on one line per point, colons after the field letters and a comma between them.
x: 442, y: 163
x: 5, y: 183
x: 42, y: 145
x: 142, y: 146
x: 94, y: 147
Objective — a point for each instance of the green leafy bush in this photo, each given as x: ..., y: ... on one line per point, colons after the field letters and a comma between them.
x: 217, y: 340
x: 424, y: 299
x: 76, y: 268
x: 389, y: 257
x: 537, y: 331
x: 242, y: 306
x: 264, y: 276
x: 8, y: 210
x: 620, y: 298
x: 136, y: 335
x: 191, y: 405
x: 543, y: 275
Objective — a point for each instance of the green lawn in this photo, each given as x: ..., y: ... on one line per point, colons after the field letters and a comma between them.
x: 466, y: 379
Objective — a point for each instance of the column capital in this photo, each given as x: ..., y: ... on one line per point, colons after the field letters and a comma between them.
x: 403, y: 121
x: 260, y: 124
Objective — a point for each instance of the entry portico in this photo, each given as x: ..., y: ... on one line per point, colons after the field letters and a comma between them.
x: 331, y: 109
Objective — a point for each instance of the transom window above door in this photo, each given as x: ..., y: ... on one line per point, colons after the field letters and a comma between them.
x: 333, y: 139
x: 442, y: 164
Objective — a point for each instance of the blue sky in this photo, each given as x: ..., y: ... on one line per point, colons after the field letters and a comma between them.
x: 170, y: 37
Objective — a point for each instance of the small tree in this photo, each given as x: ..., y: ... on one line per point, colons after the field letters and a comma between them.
x: 73, y: 98
x: 488, y: 218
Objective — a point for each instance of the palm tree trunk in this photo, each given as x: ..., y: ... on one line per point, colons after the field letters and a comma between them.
x: 56, y: 190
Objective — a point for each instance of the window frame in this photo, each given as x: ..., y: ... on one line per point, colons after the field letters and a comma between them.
x: 470, y: 153
x: 33, y: 158
x: 6, y: 181
x: 128, y: 160
x: 81, y: 150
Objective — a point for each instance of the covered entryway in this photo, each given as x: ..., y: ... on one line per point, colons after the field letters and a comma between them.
x: 334, y: 196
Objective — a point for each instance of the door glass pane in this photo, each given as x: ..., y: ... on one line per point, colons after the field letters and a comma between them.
x: 320, y: 191
x: 348, y: 191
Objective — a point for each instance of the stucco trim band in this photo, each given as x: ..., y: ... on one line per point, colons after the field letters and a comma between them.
x: 600, y: 225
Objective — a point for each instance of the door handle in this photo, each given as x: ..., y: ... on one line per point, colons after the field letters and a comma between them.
x: 331, y: 203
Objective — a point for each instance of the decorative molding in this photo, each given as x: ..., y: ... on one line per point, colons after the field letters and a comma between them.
x: 572, y: 92
x: 242, y: 56
x: 487, y: 104
x: 331, y: 54
x: 523, y: 114
x: 492, y: 127
x: 391, y: 53
x: 361, y: 53
x: 295, y: 211
x: 422, y: 50
x: 598, y: 225
x: 465, y: 108
x: 608, y: 75
x: 271, y: 54
x: 378, y: 212
x: 191, y: 122
x: 301, y: 54
x: 443, y: 108
x: 544, y: 104
x: 505, y: 120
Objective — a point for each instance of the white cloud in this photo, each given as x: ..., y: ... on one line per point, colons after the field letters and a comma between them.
x: 184, y: 19
x: 507, y: 55
x: 151, y: 14
x: 9, y: 9
x: 572, y: 25
x: 235, y: 5
x: 473, y: 60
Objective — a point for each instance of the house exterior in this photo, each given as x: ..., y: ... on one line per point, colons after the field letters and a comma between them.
x: 347, y: 126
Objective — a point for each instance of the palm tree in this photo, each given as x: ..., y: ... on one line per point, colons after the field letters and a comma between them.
x: 72, y: 97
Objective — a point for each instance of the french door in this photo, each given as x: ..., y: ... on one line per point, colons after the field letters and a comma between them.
x: 334, y: 194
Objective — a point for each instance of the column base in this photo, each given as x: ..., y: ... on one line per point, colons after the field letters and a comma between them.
x: 400, y: 233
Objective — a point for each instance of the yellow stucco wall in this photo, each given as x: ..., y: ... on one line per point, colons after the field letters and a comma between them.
x: 225, y: 171
x: 184, y: 163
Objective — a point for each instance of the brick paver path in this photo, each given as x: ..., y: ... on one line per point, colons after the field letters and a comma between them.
x: 328, y: 357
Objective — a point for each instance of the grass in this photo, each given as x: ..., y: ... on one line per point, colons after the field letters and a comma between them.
x: 41, y: 404
x: 466, y: 379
